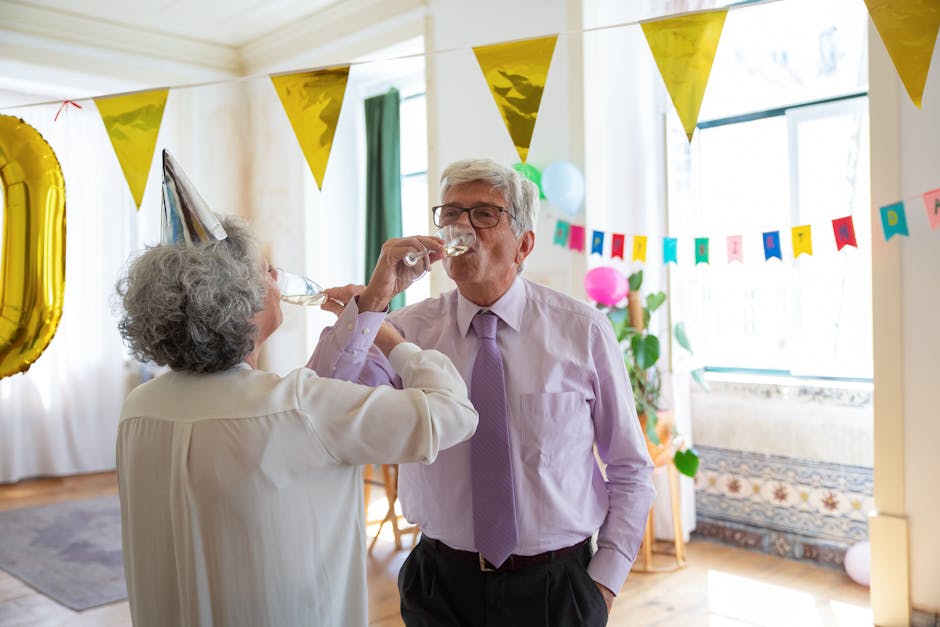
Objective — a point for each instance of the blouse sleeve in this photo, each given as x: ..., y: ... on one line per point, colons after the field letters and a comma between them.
x: 359, y: 424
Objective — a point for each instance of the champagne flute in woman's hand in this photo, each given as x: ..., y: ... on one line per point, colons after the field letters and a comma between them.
x: 299, y: 290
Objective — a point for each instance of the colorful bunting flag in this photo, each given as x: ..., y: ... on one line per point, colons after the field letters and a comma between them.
x: 133, y: 123
x: 313, y: 101
x: 735, y: 249
x: 844, y: 231
x: 639, y: 248
x: 701, y: 250
x: 597, y: 243
x: 576, y: 237
x: 908, y: 29
x: 684, y: 49
x: 932, y: 204
x: 802, y: 240
x: 894, y: 220
x: 561, y: 233
x: 772, y: 246
x: 616, y: 246
x: 669, y: 250
x: 515, y: 73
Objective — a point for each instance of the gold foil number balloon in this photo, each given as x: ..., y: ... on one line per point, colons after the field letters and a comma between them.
x: 32, y: 263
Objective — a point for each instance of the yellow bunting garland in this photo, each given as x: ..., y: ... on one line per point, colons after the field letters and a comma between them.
x: 908, y: 29
x: 312, y: 101
x: 516, y: 73
x: 133, y: 123
x: 684, y: 49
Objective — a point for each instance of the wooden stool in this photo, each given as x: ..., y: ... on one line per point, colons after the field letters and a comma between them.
x: 649, y: 546
x: 390, y: 484
x: 662, y: 455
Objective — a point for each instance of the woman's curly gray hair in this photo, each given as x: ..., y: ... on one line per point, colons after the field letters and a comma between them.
x: 191, y: 307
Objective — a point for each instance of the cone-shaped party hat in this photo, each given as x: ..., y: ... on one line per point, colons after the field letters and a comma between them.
x: 186, y: 216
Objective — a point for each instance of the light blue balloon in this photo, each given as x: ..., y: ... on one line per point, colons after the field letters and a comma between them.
x: 563, y: 185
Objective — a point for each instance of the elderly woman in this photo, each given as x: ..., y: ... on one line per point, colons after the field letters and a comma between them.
x: 241, y: 490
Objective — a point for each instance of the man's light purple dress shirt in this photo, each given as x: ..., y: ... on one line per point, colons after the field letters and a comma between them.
x: 566, y: 387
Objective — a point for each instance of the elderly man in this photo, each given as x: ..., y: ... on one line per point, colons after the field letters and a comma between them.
x: 507, y: 517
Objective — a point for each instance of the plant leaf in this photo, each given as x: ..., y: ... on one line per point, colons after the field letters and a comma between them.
x: 653, y: 301
x: 635, y: 280
x: 681, y: 338
x: 645, y: 350
x: 686, y: 462
x: 699, y: 375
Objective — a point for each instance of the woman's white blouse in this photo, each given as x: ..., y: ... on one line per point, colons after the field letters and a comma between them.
x: 241, y: 491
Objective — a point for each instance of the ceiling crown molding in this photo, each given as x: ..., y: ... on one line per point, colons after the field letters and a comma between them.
x: 331, y: 35
x: 43, y: 24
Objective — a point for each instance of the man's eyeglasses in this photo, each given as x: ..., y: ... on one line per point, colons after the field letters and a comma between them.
x: 481, y: 216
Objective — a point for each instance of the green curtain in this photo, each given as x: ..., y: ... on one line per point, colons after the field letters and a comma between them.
x: 383, y: 178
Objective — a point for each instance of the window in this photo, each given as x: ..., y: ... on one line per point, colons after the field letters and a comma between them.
x: 783, y: 143
x: 415, y: 209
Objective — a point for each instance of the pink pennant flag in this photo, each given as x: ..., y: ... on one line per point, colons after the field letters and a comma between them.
x: 932, y: 203
x: 576, y: 237
x: 735, y: 249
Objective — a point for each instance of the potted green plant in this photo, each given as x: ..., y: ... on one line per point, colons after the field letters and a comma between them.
x: 641, y: 351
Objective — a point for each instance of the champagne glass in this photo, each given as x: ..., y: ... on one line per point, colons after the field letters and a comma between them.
x: 299, y: 290
x: 458, y: 238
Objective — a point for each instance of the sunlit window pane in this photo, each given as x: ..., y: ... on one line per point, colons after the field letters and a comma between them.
x: 414, y: 135
x: 786, y: 146
x: 781, y: 53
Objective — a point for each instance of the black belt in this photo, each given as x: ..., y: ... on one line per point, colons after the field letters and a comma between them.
x: 513, y: 562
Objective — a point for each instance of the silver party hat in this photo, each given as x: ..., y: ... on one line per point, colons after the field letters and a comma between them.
x: 186, y: 216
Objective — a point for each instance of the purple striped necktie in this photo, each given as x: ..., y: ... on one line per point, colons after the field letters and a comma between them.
x: 494, y: 507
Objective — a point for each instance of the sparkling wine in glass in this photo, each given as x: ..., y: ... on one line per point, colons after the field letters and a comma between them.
x: 299, y: 290
x: 458, y: 238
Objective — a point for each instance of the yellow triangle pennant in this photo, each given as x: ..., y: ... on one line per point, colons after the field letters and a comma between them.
x: 133, y: 123
x: 684, y: 49
x: 516, y: 73
x: 802, y: 240
x: 312, y: 101
x: 908, y: 29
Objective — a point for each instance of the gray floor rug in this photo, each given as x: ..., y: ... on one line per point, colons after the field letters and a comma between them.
x: 70, y: 551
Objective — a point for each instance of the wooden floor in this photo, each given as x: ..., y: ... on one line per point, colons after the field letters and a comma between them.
x: 720, y: 587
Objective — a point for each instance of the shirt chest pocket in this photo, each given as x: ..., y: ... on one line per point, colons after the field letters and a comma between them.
x: 556, y: 427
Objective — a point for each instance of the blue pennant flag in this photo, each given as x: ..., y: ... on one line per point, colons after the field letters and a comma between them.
x: 772, y: 245
x: 669, y: 250
x: 597, y: 243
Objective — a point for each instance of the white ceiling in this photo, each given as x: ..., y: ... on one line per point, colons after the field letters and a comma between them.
x: 54, y: 49
x: 231, y: 23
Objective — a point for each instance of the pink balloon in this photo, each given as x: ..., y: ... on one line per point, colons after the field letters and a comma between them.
x: 606, y: 285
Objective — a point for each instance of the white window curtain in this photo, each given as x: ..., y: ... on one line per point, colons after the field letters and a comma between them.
x: 60, y: 417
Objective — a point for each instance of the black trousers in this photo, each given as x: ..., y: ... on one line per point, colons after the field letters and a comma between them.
x: 437, y: 591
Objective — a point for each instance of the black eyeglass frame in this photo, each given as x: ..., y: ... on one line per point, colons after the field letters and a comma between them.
x: 469, y: 212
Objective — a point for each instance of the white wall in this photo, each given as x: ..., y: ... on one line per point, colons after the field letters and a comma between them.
x: 906, y: 298
x: 464, y: 120
x: 919, y: 141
